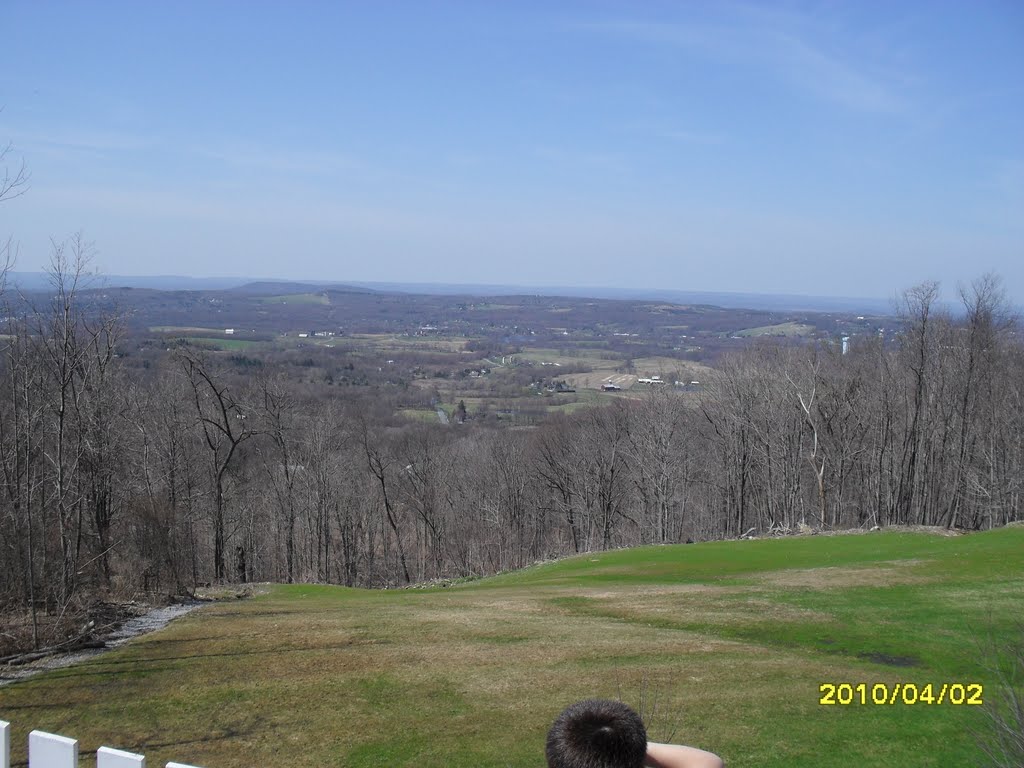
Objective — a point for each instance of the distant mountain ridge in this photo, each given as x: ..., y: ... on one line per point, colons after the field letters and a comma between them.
x: 40, y: 281
x: 36, y: 281
x: 273, y: 287
x: 725, y: 299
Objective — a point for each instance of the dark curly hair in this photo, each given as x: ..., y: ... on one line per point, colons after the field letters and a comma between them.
x: 597, y: 733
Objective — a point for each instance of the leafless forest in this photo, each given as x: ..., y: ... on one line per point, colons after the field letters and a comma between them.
x: 124, y: 480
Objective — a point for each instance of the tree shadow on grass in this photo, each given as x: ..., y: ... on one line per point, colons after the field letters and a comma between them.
x: 103, y: 668
x: 149, y: 744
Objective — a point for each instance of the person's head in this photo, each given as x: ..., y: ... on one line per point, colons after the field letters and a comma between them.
x: 597, y: 733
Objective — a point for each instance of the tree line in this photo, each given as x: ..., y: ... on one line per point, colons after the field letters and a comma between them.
x: 118, y: 479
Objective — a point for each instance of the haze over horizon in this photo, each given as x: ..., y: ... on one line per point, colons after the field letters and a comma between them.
x: 846, y: 149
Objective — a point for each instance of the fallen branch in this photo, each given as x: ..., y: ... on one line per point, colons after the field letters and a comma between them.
x: 79, y: 643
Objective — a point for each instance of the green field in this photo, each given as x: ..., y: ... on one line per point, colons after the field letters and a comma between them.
x: 227, y: 344
x: 183, y: 329
x: 733, y: 639
x: 388, y: 342
x: 419, y: 414
x: 591, y: 358
x: 782, y: 329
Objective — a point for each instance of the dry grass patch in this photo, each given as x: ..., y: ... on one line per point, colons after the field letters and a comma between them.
x: 880, y: 575
x: 693, y: 608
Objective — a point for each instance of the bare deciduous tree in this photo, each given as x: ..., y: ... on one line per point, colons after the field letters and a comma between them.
x: 223, y: 419
x: 381, y: 464
x: 278, y: 423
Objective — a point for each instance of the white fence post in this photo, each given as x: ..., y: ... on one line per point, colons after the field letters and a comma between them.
x: 5, y: 744
x: 47, y: 750
x: 116, y: 758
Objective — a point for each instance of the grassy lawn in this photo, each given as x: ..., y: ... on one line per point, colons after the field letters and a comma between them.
x: 732, y: 638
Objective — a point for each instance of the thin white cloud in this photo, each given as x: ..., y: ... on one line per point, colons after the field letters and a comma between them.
x: 287, y: 208
x: 249, y: 155
x: 92, y: 142
x: 600, y: 161
x: 831, y: 78
x: 780, y: 43
x: 688, y: 137
x: 667, y: 131
x: 240, y: 153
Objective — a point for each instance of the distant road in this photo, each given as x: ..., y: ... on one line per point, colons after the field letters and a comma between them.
x: 442, y: 415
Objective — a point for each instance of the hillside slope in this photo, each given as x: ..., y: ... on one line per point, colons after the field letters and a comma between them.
x: 724, y: 644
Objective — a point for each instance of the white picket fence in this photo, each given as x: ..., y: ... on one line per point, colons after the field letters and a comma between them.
x: 47, y: 750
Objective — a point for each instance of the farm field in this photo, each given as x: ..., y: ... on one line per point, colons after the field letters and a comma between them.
x: 597, y: 379
x: 494, y: 353
x: 226, y: 343
x: 591, y: 358
x: 730, y: 639
x: 781, y: 329
x: 389, y: 342
x: 185, y: 329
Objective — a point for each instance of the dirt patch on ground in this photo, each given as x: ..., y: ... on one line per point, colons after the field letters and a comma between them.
x: 882, y: 575
x: 644, y: 591
x: 890, y: 661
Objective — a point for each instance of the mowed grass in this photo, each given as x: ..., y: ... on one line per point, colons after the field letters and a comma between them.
x: 732, y: 638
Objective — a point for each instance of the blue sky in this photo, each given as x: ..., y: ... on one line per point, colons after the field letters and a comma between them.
x: 827, y: 148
